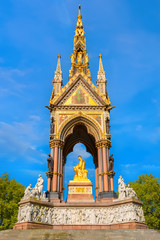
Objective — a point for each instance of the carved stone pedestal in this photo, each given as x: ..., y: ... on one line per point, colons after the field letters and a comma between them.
x: 126, y: 214
x: 80, y: 192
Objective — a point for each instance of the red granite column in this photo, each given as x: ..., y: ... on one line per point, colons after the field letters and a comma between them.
x: 63, y: 177
x: 99, y: 170
x: 49, y: 176
x: 49, y: 184
x: 111, y: 181
x: 54, y: 182
x: 105, y: 169
x: 61, y: 172
x: 96, y: 181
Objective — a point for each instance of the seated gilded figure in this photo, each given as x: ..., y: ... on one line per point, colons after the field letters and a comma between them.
x: 80, y: 171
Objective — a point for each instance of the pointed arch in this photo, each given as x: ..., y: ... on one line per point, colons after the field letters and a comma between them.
x: 91, y: 125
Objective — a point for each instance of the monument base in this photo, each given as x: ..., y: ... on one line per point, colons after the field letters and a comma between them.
x: 106, y: 196
x: 124, y: 214
x: 80, y: 192
x: 129, y: 225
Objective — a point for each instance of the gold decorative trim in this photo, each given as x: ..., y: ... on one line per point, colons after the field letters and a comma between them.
x: 57, y: 173
x: 78, y: 115
x: 77, y: 75
x: 106, y: 173
x: 56, y: 143
x: 49, y: 174
x: 104, y: 143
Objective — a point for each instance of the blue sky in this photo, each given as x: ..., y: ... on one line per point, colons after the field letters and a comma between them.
x: 126, y: 33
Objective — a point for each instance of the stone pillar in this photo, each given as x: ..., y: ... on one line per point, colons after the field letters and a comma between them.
x: 106, y: 192
x: 49, y: 184
x: 63, y: 177
x: 57, y: 146
x: 55, y: 168
x: 61, y: 171
x: 50, y: 174
x: 96, y: 181
x: 99, y: 171
x: 111, y: 182
x: 105, y: 169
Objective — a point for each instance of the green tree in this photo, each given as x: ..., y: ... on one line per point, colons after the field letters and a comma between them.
x: 147, y: 188
x: 10, y: 194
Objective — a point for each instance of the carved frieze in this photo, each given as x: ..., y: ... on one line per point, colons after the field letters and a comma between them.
x: 81, y: 215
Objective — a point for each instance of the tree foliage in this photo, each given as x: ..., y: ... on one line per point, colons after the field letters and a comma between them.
x: 10, y: 194
x: 147, y: 188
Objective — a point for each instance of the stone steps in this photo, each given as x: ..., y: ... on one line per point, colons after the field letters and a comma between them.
x: 48, y: 234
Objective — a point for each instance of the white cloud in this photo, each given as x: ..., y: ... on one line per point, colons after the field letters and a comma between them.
x: 12, y: 81
x: 151, y: 167
x: 35, y: 117
x: 18, y: 142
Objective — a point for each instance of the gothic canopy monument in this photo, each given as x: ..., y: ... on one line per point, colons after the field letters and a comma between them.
x: 80, y: 112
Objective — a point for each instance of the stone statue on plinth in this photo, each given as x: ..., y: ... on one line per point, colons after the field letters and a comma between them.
x: 80, y: 171
x: 80, y: 188
x: 125, y: 192
x: 50, y: 163
x: 111, y: 161
x: 36, y: 192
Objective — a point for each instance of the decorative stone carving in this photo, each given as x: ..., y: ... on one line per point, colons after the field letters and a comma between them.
x: 52, y: 125
x: 27, y: 192
x: 50, y: 163
x: 111, y: 161
x: 36, y: 192
x: 125, y: 192
x: 81, y: 215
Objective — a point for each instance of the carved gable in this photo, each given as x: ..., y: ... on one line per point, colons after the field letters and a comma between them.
x: 80, y: 96
x: 80, y: 93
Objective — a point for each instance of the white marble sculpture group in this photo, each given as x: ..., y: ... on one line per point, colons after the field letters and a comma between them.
x: 36, y: 192
x: 124, y: 191
x: 57, y: 215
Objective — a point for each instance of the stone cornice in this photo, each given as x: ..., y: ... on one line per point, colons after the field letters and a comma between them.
x: 79, y: 108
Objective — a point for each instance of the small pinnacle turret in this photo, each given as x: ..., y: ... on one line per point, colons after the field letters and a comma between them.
x: 79, y: 58
x: 57, y: 80
x: 101, y: 79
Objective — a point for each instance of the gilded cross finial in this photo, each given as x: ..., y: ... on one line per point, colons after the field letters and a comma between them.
x: 79, y: 58
x: 100, y: 63
x: 59, y: 55
x: 79, y: 12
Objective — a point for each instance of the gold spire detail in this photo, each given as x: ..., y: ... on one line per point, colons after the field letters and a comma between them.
x: 58, y: 69
x: 100, y: 64
x: 57, y: 80
x: 79, y: 58
x: 101, y: 79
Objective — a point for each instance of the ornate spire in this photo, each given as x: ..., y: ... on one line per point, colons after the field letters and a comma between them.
x: 101, y: 79
x: 100, y: 65
x: 57, y: 80
x: 58, y: 69
x: 79, y: 58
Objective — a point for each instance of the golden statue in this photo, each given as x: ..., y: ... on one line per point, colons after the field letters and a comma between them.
x: 80, y: 171
x: 73, y: 58
x: 79, y: 56
x: 86, y: 58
